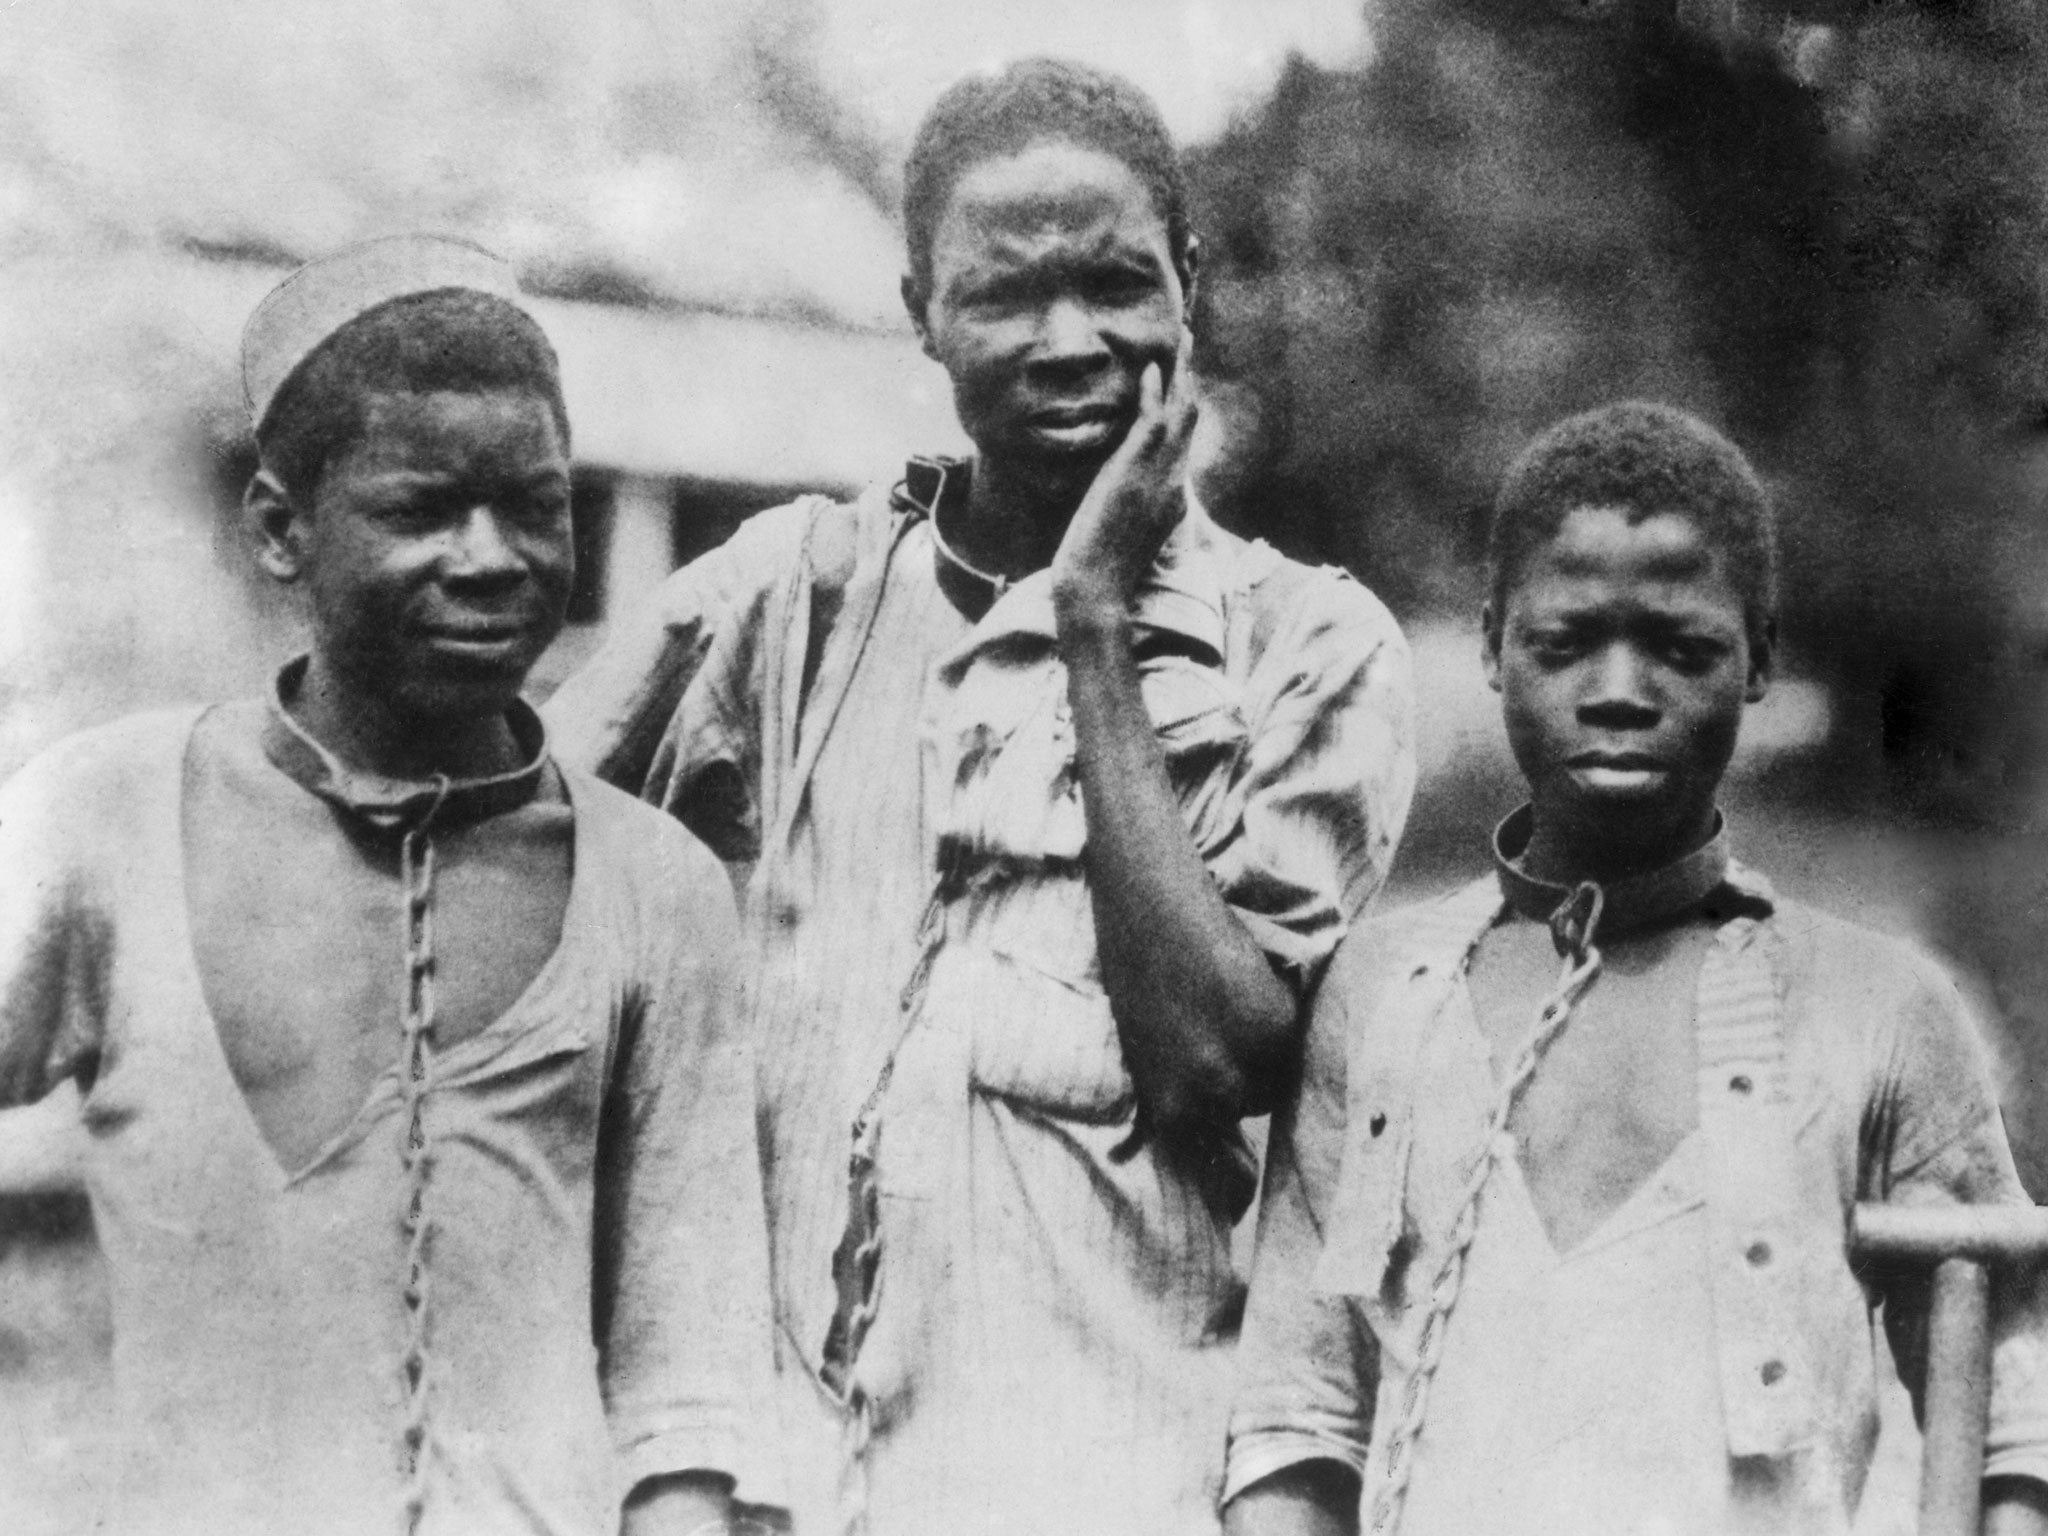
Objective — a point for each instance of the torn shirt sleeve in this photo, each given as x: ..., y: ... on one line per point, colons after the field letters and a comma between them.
x: 1307, y: 1365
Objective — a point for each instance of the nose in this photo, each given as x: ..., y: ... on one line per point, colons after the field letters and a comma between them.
x: 1068, y: 334
x: 480, y: 553
x: 1620, y: 691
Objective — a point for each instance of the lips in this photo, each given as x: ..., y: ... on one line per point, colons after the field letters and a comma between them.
x: 477, y: 634
x: 1078, y: 425
x: 493, y: 638
x: 1619, y: 760
x: 1079, y: 411
x: 1620, y: 773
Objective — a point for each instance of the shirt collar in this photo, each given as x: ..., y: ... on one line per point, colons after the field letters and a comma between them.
x: 1181, y: 595
x: 1640, y: 901
x: 394, y: 805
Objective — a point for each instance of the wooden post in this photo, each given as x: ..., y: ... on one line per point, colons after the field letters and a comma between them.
x: 1958, y: 1398
x: 1961, y: 1242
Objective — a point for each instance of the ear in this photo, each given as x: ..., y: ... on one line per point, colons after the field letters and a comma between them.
x: 1188, y: 265
x: 917, y: 300
x: 1489, y: 655
x: 278, y: 527
x: 1763, y: 662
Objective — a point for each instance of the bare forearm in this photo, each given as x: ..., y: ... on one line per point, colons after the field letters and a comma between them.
x: 1311, y: 1498
x: 1204, y: 1021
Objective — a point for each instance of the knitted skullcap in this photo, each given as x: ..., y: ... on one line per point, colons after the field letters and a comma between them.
x: 326, y: 294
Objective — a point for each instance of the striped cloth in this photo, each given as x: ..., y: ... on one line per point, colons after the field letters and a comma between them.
x: 1050, y: 1347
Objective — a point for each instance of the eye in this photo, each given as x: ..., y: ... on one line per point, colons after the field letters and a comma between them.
x: 1693, y: 654
x: 1555, y: 647
x: 412, y: 511
x: 1118, y: 285
x: 996, y: 296
x: 536, y: 506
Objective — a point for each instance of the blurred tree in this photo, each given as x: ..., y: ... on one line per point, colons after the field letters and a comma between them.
x: 1826, y: 237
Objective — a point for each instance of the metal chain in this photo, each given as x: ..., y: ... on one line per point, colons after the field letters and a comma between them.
x: 1575, y: 924
x: 857, y: 1423
x: 416, y: 878
x: 863, y: 1257
x: 856, y: 1430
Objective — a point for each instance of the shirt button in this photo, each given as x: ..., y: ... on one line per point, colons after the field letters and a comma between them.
x: 1740, y: 1083
x: 1377, y: 1124
x: 1773, y: 1372
x: 1758, y: 1254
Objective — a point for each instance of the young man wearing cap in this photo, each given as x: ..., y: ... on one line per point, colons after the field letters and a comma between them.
x: 1058, y: 795
x: 407, y: 1053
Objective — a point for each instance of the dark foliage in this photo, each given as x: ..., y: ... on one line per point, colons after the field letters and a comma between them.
x: 1832, y: 241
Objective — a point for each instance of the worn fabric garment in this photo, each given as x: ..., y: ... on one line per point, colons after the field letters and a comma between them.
x: 1050, y: 1349
x: 1703, y: 1360
x: 1581, y: 1393
x: 596, y: 1270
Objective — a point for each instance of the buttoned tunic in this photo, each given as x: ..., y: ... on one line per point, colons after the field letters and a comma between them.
x: 1702, y: 1362
x: 259, y: 1324
x: 1050, y: 1346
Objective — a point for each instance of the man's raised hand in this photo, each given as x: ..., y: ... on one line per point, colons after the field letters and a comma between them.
x: 1137, y: 496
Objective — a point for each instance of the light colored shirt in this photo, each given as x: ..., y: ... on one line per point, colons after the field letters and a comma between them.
x: 597, y: 1262
x: 1050, y: 1350
x: 1617, y: 1386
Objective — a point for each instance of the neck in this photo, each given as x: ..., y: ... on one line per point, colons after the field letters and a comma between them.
x: 1632, y: 902
x: 369, y: 735
x: 1565, y: 851
x: 1012, y: 520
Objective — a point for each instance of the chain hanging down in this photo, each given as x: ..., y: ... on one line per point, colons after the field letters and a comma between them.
x: 857, y: 1261
x: 1574, y: 926
x: 416, y: 878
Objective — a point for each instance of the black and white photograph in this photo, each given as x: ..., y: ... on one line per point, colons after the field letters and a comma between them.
x: 1077, y: 768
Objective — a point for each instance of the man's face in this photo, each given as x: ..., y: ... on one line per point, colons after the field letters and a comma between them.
x: 1623, y: 663
x: 437, y: 552
x: 1053, y: 284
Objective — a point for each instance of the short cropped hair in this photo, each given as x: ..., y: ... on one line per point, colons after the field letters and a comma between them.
x: 448, y: 339
x: 1645, y: 459
x: 989, y: 116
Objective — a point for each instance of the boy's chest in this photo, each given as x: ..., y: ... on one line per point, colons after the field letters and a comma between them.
x: 299, y: 937
x: 1615, y: 1093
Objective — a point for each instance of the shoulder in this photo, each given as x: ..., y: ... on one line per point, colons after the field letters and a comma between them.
x: 654, y: 869
x: 768, y: 551
x: 1404, y: 945
x: 761, y: 554
x: 1887, y: 1037
x: 1398, y: 942
x: 1375, y: 994
x: 770, y: 543
x: 1873, y: 1003
x: 1296, y: 601
x: 94, y: 777
x: 1838, y: 960
x: 1315, y: 639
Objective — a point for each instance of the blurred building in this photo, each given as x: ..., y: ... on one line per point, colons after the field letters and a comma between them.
x: 716, y: 254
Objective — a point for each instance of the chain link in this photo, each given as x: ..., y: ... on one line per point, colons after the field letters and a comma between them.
x: 857, y: 1262
x: 856, y: 1431
x: 1574, y: 924
x: 416, y: 879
